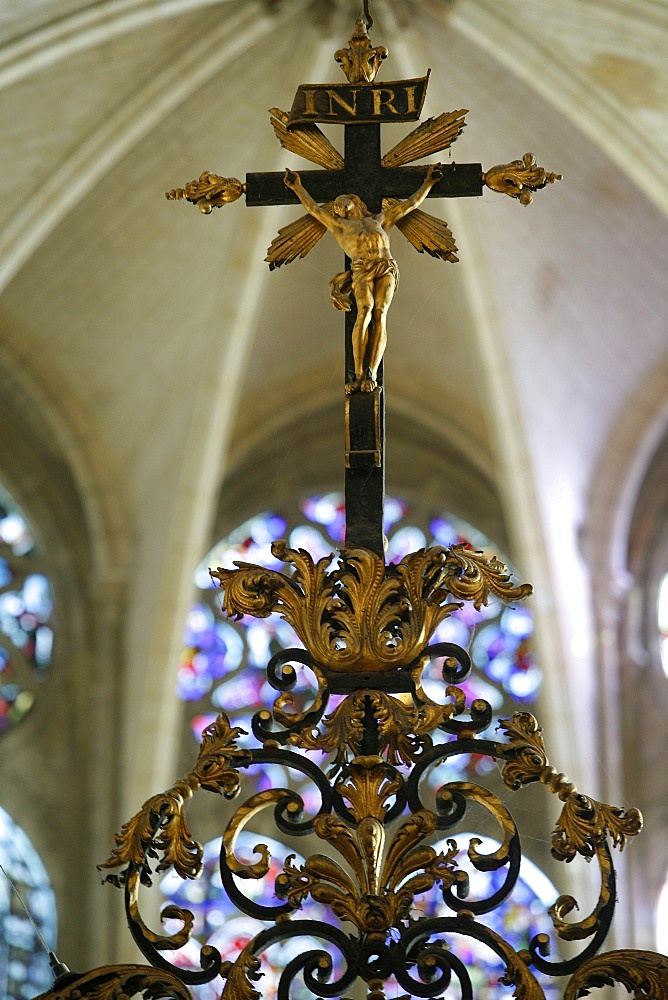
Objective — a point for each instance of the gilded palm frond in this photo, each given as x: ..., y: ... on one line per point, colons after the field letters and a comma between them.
x: 306, y: 140
x: 426, y: 233
x: 429, y: 137
x: 295, y: 240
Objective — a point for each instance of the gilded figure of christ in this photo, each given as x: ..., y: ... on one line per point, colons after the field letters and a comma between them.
x: 374, y: 274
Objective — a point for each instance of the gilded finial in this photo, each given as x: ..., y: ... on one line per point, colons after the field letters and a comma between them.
x: 361, y: 61
x: 208, y: 192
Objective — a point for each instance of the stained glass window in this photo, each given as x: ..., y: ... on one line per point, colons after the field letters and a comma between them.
x: 26, y: 616
x: 24, y: 964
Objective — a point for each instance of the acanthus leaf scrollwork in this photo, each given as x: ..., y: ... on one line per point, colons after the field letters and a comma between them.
x: 366, y: 615
x: 159, y: 830
x: 584, y: 822
x: 643, y: 973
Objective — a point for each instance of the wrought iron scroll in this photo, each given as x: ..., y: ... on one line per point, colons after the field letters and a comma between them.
x: 377, y: 819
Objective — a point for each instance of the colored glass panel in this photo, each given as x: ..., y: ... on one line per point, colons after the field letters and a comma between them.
x: 219, y: 923
x: 24, y: 964
x: 517, y: 920
x: 26, y: 613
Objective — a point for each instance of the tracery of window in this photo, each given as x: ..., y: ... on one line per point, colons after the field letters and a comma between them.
x: 26, y: 616
x: 24, y: 964
x: 662, y: 622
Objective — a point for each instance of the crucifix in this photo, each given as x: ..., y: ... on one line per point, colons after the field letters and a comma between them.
x: 358, y: 197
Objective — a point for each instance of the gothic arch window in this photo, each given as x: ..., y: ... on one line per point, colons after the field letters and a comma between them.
x: 26, y: 615
x: 24, y: 963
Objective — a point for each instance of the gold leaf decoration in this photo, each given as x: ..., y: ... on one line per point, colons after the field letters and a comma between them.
x: 361, y: 61
x: 427, y: 233
x: 294, y: 240
x: 584, y: 822
x: 471, y: 576
x: 365, y: 615
x: 241, y: 975
x: 112, y: 982
x: 643, y: 973
x: 380, y: 891
x: 524, y: 751
x: 306, y: 140
x: 209, y: 191
x: 403, y: 730
x: 159, y: 830
x: 430, y: 136
x: 519, y: 178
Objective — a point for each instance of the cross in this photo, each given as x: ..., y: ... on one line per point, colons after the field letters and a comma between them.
x: 361, y: 106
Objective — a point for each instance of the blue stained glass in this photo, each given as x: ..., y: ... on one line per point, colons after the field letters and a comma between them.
x: 395, y: 511
x: 518, y: 621
x: 329, y: 511
x: 304, y: 536
x: 452, y: 629
x: 24, y: 963
x: 25, y: 616
x: 517, y: 920
x: 445, y: 533
x: 405, y: 540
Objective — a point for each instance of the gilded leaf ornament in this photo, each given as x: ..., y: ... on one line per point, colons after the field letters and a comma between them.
x: 584, y: 823
x: 430, y: 136
x: 360, y: 61
x: 643, y: 973
x: 519, y: 178
x: 240, y: 976
x: 159, y: 830
x: 116, y: 982
x: 380, y: 891
x: 403, y: 730
x: 209, y: 191
x: 365, y: 615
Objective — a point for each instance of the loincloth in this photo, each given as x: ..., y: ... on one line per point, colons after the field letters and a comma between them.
x: 345, y: 282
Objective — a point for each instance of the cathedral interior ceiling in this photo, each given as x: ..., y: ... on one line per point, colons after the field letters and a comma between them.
x: 168, y: 343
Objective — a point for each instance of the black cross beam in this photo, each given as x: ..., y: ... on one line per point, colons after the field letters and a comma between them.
x: 364, y: 175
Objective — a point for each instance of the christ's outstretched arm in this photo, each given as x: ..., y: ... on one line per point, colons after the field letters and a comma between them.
x: 402, y: 208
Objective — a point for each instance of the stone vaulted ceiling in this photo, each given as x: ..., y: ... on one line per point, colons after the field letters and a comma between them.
x: 150, y: 351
